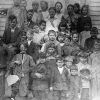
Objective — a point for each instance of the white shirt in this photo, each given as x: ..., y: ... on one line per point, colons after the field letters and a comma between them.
x: 49, y: 25
x: 29, y: 42
x: 61, y: 69
x: 85, y: 83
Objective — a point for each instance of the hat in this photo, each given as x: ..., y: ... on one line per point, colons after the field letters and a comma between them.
x: 83, y: 54
x: 73, y: 67
x: 85, y: 70
x: 69, y: 58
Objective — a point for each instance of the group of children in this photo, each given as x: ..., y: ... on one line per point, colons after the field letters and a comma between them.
x: 55, y: 55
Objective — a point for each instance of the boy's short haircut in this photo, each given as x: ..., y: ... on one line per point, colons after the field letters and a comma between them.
x: 62, y: 24
x: 87, y: 6
x: 70, y: 5
x: 59, y: 59
x: 59, y: 3
x: 12, y: 17
x: 94, y: 29
x: 60, y: 35
x: 35, y: 2
x: 51, y: 31
x: 45, y: 3
x: 42, y: 21
x: 52, y: 8
x: 69, y: 58
x: 74, y: 67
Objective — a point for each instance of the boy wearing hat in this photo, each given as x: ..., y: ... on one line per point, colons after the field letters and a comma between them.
x: 83, y: 61
x: 69, y: 62
x: 21, y: 65
x: 86, y: 77
x: 75, y: 83
x: 41, y: 77
x: 52, y: 39
x: 59, y: 81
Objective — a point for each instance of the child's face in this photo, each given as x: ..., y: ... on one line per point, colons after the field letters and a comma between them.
x: 67, y: 40
x: 29, y: 35
x: 60, y: 63
x: 58, y: 7
x: 75, y: 8
x: 17, y: 2
x: 83, y: 60
x: 60, y: 39
x: 35, y: 6
x: 75, y: 37
x: 68, y: 63
x: 87, y: 27
x: 36, y: 29
x: 13, y: 23
x: 52, y: 13
x: 52, y: 36
x: 85, y: 11
x: 43, y: 6
x: 22, y: 48
x: 70, y: 9
x: 43, y: 26
x: 51, y: 50
x: 74, y: 72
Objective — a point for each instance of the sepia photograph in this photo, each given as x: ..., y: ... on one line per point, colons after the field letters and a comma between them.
x: 49, y: 49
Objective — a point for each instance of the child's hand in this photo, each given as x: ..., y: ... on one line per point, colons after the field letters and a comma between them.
x: 17, y: 62
x: 51, y: 88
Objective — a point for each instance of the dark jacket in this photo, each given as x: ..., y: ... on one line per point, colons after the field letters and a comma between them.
x: 60, y: 81
x: 11, y: 38
x: 32, y: 50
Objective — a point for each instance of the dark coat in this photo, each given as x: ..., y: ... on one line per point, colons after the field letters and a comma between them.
x: 32, y: 50
x: 41, y: 83
x: 59, y: 81
x: 9, y: 37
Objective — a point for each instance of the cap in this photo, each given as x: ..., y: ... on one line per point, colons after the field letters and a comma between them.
x: 83, y: 54
x: 85, y: 70
x: 69, y: 58
x: 73, y: 67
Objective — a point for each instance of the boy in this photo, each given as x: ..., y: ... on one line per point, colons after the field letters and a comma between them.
x: 41, y: 77
x: 44, y: 10
x: 59, y: 81
x: 21, y: 65
x: 29, y: 23
x: 69, y: 62
x: 11, y: 37
x: 89, y: 42
x: 85, y: 75
x: 75, y: 83
x: 52, y: 39
x: 85, y: 34
x: 83, y: 61
x: 32, y: 48
x: 52, y: 23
